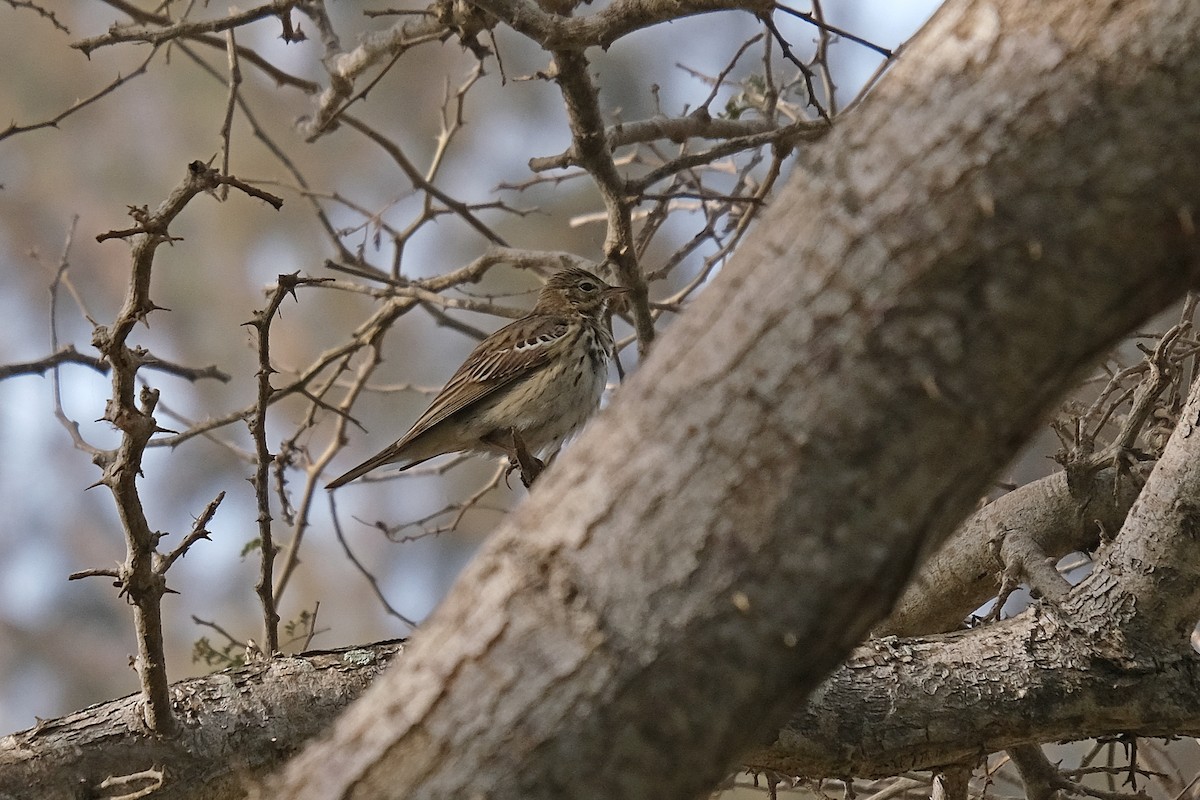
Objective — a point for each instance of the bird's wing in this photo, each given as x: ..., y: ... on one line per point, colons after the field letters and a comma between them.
x: 509, y: 355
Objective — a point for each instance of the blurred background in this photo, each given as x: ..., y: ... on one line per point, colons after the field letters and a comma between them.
x: 64, y: 645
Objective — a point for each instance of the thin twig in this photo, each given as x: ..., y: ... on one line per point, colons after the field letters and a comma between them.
x: 285, y: 286
x: 366, y: 573
x: 14, y: 129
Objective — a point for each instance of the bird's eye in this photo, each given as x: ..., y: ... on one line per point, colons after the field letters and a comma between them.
x: 587, y: 286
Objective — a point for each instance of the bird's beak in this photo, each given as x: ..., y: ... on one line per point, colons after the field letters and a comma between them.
x: 612, y: 293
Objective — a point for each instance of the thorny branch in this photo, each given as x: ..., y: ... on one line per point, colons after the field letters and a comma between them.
x: 141, y: 577
x: 261, y: 323
x: 161, y: 34
x: 14, y: 129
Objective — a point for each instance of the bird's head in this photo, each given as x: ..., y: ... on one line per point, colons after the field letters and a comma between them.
x: 577, y: 290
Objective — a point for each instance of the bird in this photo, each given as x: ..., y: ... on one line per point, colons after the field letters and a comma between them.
x: 524, y: 389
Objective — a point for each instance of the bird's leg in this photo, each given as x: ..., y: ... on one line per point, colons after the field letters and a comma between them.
x: 531, y: 466
x: 518, y: 454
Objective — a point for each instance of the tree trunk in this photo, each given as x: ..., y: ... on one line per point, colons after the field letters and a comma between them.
x: 1015, y: 196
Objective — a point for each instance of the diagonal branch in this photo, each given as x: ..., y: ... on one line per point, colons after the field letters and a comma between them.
x: 161, y: 34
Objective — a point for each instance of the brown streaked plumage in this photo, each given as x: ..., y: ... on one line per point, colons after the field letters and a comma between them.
x: 530, y: 384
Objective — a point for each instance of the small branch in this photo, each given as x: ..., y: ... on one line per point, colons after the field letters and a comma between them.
x: 152, y: 778
x: 60, y: 279
x: 235, y: 82
x: 592, y: 152
x: 41, y: 12
x: 805, y: 70
x: 1043, y: 780
x: 1021, y: 553
x: 697, y: 125
x: 418, y: 180
x: 229, y: 637
x: 826, y: 27
x: 78, y: 105
x: 64, y: 355
x: 199, y: 531
x: 263, y: 459
x: 278, y: 76
x: 192, y: 374
x: 821, y: 57
x: 366, y: 573
x: 620, y: 18
x: 345, y: 68
x: 95, y: 573
x: 364, y: 371
x: 801, y: 130
x: 158, y: 35
x: 67, y: 354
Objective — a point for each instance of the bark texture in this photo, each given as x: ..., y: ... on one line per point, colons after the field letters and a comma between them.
x: 913, y: 704
x: 1114, y: 654
x: 1015, y: 196
x: 232, y: 727
x: 1050, y: 514
x: 883, y: 690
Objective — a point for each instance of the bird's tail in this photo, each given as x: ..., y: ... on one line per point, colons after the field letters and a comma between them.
x: 386, y: 457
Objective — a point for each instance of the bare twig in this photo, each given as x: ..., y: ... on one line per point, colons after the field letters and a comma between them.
x: 132, y: 413
x: 366, y: 573
x: 60, y: 279
x: 14, y: 129
x: 41, y: 12
x: 63, y: 355
x: 199, y: 531
x: 235, y: 82
x: 261, y: 323
x: 827, y: 28
x: 592, y: 153
x: 419, y: 182
x: 161, y: 34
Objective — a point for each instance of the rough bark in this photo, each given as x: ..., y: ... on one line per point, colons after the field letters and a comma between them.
x: 81, y: 749
x: 1050, y: 514
x: 1013, y: 198
x: 1062, y: 672
x: 232, y: 727
x: 1109, y: 660
x: 910, y: 704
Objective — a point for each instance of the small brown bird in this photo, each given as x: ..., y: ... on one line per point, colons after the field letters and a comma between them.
x: 522, y: 390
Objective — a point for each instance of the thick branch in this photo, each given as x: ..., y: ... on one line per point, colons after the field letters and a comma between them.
x: 942, y: 266
x: 907, y: 704
x: 234, y: 725
x: 1149, y: 582
x: 1057, y: 517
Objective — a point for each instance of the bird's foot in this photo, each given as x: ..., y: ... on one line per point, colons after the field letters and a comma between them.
x: 530, y: 465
